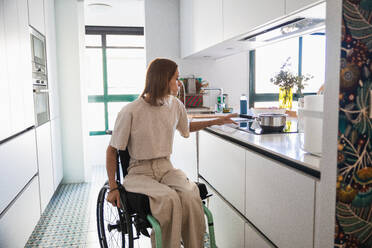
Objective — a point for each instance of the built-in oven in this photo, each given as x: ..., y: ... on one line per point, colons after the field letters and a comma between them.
x: 38, y: 52
x: 41, y: 102
x: 39, y: 78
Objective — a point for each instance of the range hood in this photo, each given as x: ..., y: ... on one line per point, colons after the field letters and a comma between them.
x: 295, y: 27
x: 311, y: 20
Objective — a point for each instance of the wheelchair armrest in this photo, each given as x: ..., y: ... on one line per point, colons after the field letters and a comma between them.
x: 203, y: 191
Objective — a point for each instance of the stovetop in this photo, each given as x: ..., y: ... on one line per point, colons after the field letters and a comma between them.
x: 250, y: 127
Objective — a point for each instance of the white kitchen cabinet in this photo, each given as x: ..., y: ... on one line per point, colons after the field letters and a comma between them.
x: 18, y: 164
x: 45, y: 162
x: 56, y: 151
x: 36, y: 15
x: 293, y: 5
x: 5, y: 129
x: 253, y: 239
x: 208, y: 23
x: 16, y: 72
x: 279, y: 202
x: 51, y: 52
x: 228, y: 226
x: 241, y: 16
x: 18, y: 222
x: 201, y: 25
x: 186, y: 27
x: 184, y: 155
x: 222, y: 164
x: 25, y: 65
x: 18, y: 65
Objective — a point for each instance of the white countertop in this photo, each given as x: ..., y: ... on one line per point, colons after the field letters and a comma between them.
x: 285, y: 145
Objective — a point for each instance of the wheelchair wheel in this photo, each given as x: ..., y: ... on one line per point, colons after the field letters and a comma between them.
x: 114, y: 225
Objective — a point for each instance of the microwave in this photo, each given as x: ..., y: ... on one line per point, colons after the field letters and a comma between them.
x: 38, y: 53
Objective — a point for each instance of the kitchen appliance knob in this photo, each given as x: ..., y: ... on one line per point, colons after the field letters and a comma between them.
x: 38, y: 81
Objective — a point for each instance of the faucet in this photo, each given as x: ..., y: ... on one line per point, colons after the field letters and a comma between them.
x: 216, y: 89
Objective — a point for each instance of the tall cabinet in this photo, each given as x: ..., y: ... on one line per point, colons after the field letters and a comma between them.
x: 31, y: 159
x: 55, y: 120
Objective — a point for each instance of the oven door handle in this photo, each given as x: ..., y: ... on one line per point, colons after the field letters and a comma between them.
x: 40, y: 91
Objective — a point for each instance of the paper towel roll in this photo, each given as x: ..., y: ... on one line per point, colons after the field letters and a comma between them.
x: 313, y: 133
x: 313, y: 127
x: 314, y: 102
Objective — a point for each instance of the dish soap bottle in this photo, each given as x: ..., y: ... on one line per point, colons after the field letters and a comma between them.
x: 243, y: 104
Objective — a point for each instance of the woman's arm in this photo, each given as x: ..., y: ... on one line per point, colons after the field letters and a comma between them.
x: 198, y: 125
x: 111, y: 162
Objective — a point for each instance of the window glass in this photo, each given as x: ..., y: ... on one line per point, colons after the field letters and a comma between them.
x: 273, y: 104
x: 125, y: 40
x: 313, y: 61
x: 94, y: 75
x: 93, y: 40
x: 270, y: 58
x: 96, y: 116
x: 126, y: 69
x: 113, y: 110
x: 266, y: 104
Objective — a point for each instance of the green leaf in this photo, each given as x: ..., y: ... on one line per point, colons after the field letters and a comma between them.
x: 354, y: 224
x: 356, y: 20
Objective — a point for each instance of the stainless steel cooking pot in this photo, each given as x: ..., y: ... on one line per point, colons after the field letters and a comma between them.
x: 272, y: 122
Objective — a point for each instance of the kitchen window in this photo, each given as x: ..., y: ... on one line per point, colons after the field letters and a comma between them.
x: 116, y: 66
x: 307, y: 55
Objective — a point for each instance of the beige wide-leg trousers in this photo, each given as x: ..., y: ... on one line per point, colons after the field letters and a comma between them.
x: 174, y: 201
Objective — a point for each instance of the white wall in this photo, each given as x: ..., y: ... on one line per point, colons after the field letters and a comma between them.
x: 69, y: 26
x: 163, y: 40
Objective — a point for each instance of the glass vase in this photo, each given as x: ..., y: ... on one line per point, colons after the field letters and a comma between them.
x: 285, y: 98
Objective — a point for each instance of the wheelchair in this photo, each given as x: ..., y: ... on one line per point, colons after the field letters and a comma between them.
x: 122, y: 227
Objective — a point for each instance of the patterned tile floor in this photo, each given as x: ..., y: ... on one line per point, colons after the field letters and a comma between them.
x: 69, y: 220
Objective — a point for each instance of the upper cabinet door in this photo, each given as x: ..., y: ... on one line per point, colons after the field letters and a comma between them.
x: 241, y: 16
x: 25, y: 65
x: 208, y: 23
x: 186, y: 27
x: 293, y: 5
x: 36, y: 15
x: 201, y: 25
x: 4, y: 81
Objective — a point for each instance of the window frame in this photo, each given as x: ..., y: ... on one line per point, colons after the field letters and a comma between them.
x: 106, y: 98
x: 271, y: 97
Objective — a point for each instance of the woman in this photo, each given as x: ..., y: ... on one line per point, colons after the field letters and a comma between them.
x: 146, y: 126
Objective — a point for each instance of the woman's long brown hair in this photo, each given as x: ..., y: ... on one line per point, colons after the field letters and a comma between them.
x: 159, y: 73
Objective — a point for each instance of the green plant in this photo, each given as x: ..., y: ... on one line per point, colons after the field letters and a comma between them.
x: 286, y: 80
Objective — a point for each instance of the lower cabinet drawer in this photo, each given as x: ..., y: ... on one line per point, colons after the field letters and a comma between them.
x: 20, y: 219
x: 253, y: 239
x: 228, y: 226
x: 279, y: 202
x: 222, y: 164
x: 17, y: 166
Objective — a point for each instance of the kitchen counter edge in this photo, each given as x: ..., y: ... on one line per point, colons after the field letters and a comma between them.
x: 298, y: 165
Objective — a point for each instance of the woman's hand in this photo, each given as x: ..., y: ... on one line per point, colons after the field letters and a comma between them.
x: 113, y: 197
x: 198, y: 125
x: 226, y: 119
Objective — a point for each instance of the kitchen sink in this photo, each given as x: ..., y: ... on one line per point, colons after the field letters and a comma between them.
x: 200, y: 111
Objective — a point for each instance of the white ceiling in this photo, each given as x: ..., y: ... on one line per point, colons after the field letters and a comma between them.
x: 118, y: 13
